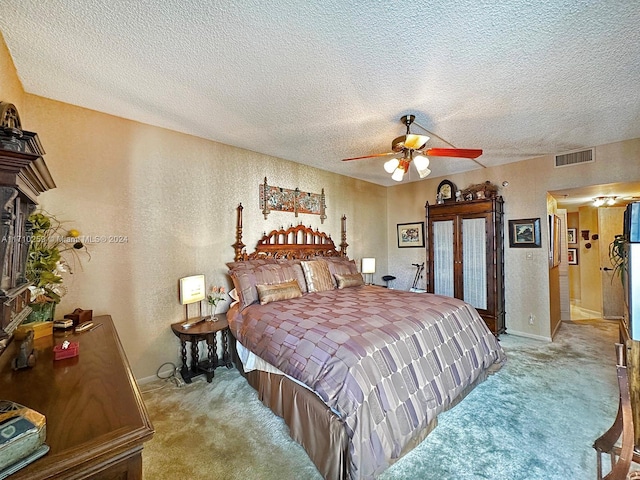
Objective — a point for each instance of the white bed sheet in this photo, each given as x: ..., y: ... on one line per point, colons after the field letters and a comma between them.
x: 251, y: 361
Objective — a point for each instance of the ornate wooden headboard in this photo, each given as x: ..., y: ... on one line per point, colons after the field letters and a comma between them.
x: 293, y: 242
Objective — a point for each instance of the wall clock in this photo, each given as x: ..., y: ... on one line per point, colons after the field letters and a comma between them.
x: 446, y: 191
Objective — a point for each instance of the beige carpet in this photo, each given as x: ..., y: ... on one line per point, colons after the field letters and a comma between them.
x: 218, y: 430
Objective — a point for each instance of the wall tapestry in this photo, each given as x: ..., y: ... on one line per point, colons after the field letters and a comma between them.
x: 286, y: 200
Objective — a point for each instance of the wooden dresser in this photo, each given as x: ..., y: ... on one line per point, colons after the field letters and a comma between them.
x: 96, y: 420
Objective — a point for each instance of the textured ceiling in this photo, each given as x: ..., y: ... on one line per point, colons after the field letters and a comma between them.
x: 315, y: 82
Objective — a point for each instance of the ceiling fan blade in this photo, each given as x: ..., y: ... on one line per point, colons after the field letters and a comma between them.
x: 453, y: 152
x: 370, y: 156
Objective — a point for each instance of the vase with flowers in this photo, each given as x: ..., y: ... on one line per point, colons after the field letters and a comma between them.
x: 217, y: 295
x: 53, y: 250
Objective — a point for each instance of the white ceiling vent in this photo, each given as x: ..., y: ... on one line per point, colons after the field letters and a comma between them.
x: 576, y: 157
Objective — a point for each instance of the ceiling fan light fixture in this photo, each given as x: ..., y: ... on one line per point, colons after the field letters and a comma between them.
x: 403, y: 166
x: 415, y: 142
x: 424, y: 172
x: 391, y: 165
x: 422, y: 165
x: 411, y: 144
x: 398, y: 174
x: 421, y: 162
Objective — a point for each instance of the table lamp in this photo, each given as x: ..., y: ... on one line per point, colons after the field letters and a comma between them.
x: 368, y: 269
x: 192, y: 290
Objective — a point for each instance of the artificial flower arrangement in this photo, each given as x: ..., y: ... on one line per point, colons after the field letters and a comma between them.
x: 53, y: 250
x: 217, y: 295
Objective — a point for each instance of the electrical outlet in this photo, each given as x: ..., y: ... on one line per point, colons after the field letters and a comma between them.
x: 531, y: 318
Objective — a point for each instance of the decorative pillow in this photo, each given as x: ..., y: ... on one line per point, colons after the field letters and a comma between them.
x: 349, y: 280
x: 245, y: 279
x: 317, y: 275
x: 340, y: 266
x: 297, y: 270
x: 278, y: 291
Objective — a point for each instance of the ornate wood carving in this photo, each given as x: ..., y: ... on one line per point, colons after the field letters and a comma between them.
x: 285, y: 200
x: 294, y: 242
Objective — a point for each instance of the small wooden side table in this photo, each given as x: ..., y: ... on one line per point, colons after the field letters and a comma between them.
x: 203, y: 331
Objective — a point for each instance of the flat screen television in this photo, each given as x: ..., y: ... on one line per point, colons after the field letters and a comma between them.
x: 632, y: 222
x: 631, y: 272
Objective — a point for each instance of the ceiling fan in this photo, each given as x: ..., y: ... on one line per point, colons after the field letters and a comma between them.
x: 412, y: 147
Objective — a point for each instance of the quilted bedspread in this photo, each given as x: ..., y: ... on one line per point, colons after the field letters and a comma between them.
x: 388, y: 361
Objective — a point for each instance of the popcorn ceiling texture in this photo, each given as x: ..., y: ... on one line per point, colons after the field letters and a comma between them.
x: 315, y: 82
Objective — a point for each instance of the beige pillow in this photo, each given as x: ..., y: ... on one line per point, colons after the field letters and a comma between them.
x: 278, y: 291
x: 245, y: 279
x: 317, y: 276
x: 349, y: 280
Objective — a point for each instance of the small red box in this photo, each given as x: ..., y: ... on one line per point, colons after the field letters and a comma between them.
x: 71, y: 351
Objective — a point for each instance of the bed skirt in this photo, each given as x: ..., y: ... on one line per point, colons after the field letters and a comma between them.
x: 313, y: 424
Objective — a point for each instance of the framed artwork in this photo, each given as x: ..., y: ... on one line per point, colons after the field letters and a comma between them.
x: 554, y: 240
x: 524, y: 233
x: 410, y: 235
x: 446, y: 191
x: 571, y: 235
x: 572, y: 256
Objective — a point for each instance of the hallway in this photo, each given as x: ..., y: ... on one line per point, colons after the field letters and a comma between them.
x: 579, y: 313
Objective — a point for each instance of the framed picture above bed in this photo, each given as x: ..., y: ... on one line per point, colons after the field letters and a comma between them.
x: 410, y: 235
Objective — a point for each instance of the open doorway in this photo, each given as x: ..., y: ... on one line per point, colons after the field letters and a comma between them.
x: 587, y: 287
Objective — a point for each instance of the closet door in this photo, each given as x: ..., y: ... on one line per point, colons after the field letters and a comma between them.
x: 443, y: 248
x: 474, y: 288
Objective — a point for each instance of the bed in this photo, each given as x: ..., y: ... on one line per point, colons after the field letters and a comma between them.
x: 358, y: 372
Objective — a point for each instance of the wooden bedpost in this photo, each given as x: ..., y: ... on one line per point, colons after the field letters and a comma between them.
x: 343, y: 244
x: 238, y: 246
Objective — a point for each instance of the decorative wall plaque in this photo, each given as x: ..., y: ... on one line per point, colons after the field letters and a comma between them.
x: 286, y: 200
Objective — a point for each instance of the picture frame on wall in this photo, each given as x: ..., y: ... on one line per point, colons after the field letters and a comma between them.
x: 572, y: 256
x: 410, y: 235
x: 572, y: 236
x: 525, y: 233
x: 554, y: 240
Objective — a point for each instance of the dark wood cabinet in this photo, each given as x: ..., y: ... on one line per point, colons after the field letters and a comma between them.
x: 465, y: 255
x: 23, y: 176
x: 96, y: 418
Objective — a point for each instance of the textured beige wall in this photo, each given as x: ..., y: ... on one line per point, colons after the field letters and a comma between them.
x: 526, y: 280
x: 174, y: 198
x: 11, y: 90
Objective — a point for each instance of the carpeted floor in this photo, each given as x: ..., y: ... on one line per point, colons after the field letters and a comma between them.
x: 535, y: 419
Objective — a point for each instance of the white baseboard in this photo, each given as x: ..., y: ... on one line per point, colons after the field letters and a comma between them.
x: 145, y: 380
x: 528, y: 335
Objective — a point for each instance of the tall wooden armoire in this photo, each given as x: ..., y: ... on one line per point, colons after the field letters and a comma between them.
x: 465, y: 255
